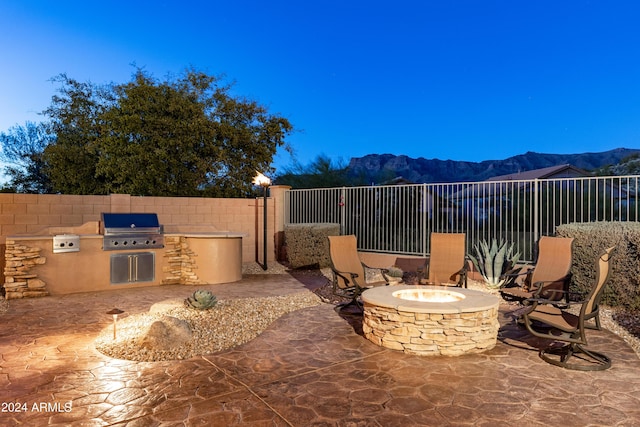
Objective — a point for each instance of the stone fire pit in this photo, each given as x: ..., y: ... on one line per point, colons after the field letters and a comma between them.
x: 431, y: 320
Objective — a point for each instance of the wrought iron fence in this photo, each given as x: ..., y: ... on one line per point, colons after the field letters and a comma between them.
x: 400, y: 218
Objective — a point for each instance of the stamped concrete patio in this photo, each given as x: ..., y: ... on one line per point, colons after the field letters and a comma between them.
x: 309, y: 368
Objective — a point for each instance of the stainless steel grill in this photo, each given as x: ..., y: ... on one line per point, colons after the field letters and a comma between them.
x: 131, y: 231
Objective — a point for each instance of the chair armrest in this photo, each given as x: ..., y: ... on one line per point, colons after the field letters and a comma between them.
x: 347, y: 276
x: 561, y: 302
x: 538, y: 301
x: 517, y: 272
x: 537, y: 287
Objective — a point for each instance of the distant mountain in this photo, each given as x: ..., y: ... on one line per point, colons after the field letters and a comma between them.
x: 382, y: 168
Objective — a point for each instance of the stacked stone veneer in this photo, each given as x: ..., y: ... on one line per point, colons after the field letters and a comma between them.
x: 21, y: 281
x: 21, y: 278
x: 431, y: 334
x: 181, y: 266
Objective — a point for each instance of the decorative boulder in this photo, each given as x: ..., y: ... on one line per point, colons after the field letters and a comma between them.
x: 166, y: 334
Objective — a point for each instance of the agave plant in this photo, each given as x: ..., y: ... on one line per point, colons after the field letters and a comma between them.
x: 201, y: 300
x: 394, y: 272
x: 494, y: 260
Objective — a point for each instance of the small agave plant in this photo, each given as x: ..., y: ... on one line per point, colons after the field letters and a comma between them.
x: 494, y: 260
x: 201, y: 300
x: 394, y: 272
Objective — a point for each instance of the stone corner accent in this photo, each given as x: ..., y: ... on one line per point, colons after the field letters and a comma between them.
x: 21, y: 279
x: 181, y: 263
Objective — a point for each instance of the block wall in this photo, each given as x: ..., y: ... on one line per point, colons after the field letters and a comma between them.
x: 28, y: 214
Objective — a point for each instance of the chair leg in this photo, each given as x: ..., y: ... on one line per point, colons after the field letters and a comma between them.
x: 598, y: 326
x: 353, y: 302
x: 560, y: 356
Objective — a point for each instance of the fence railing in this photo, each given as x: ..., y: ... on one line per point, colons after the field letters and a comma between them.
x: 400, y: 218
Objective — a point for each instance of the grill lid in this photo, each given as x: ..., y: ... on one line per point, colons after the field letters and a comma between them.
x: 131, y: 231
x: 138, y: 223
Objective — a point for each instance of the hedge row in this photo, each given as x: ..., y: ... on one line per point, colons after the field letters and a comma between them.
x: 590, y: 240
x: 308, y: 245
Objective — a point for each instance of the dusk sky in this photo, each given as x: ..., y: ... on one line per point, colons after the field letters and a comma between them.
x: 448, y: 79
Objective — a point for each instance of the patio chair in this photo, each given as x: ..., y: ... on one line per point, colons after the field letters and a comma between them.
x: 447, y: 260
x: 563, y: 326
x: 349, y: 276
x: 551, y: 275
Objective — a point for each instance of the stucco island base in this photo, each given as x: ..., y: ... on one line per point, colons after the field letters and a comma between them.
x: 467, y: 324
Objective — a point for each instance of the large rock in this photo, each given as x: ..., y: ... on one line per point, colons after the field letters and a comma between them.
x: 165, y: 334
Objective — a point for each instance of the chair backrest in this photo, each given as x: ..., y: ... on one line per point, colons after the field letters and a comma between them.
x: 554, y: 262
x: 603, y: 273
x: 446, y: 257
x: 343, y: 252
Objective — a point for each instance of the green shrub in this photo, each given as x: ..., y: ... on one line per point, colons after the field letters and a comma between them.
x: 590, y: 240
x: 308, y: 244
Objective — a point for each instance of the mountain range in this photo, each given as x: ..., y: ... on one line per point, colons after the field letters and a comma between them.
x: 384, y: 168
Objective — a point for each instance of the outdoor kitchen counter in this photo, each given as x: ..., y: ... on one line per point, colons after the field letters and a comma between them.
x: 36, y: 269
x: 214, y: 257
x: 191, y: 258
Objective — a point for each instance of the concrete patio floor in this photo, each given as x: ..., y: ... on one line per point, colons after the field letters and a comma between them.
x: 309, y: 368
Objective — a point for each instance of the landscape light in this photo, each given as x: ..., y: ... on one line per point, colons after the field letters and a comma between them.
x: 115, y: 313
x: 264, y: 182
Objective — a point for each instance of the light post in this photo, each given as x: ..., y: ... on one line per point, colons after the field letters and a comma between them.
x: 264, y: 182
x: 115, y: 313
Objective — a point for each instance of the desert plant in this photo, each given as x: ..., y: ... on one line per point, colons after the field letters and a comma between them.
x: 494, y: 260
x: 201, y: 300
x: 394, y: 272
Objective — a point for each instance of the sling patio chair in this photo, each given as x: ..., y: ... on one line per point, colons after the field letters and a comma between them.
x: 550, y: 277
x: 545, y: 320
x: 447, y: 260
x: 349, y: 276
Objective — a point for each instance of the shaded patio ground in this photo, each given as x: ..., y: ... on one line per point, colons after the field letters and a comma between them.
x: 309, y: 368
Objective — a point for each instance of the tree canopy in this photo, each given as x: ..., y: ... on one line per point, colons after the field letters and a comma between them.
x: 22, y: 149
x: 320, y: 173
x: 185, y: 136
x: 629, y: 165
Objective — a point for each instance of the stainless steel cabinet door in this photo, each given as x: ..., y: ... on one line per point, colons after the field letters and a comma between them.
x: 133, y: 267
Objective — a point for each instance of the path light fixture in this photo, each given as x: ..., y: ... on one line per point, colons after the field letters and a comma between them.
x: 264, y: 182
x: 115, y: 313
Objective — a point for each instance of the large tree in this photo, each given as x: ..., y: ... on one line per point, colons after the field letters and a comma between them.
x: 22, y: 155
x: 182, y: 137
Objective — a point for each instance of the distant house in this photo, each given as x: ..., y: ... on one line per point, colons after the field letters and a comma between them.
x: 490, y: 197
x: 560, y: 171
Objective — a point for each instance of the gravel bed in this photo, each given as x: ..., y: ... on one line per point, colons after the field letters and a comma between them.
x: 228, y: 324
x: 272, y: 268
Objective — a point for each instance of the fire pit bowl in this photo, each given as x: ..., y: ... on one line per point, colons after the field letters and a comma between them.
x: 431, y: 320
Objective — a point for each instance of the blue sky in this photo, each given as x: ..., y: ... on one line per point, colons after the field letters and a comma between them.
x: 448, y: 79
